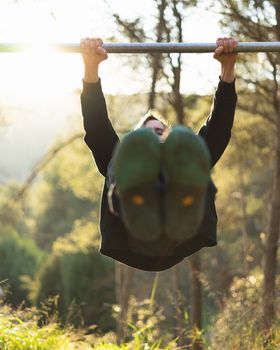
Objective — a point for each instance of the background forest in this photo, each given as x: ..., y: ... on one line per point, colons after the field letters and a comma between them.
x: 51, y: 271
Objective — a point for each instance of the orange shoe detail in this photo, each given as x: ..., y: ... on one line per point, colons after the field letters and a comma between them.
x: 187, y: 201
x: 137, y: 199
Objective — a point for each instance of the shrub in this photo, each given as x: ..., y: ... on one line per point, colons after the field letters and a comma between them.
x: 83, y: 280
x: 19, y: 256
x: 239, y: 325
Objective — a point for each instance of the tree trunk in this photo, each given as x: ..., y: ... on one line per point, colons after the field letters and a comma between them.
x: 223, y: 278
x: 177, y: 68
x: 152, y: 94
x: 270, y: 264
x: 244, y: 227
x: 123, y: 283
x: 179, y: 306
x: 157, y: 58
x: 178, y: 98
x: 196, y: 297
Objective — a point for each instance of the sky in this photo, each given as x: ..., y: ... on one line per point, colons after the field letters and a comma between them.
x: 37, y: 88
x: 44, y: 21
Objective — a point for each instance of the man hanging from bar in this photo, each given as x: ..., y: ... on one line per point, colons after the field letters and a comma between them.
x: 158, y: 200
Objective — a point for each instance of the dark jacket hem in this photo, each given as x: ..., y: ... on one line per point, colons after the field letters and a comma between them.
x: 154, y: 263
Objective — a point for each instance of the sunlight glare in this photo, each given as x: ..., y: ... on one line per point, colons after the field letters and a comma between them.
x: 63, y: 21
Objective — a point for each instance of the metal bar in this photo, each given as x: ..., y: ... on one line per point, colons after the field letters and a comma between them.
x: 133, y: 48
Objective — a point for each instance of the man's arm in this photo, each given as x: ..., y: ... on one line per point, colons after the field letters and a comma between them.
x: 217, y: 130
x: 100, y: 135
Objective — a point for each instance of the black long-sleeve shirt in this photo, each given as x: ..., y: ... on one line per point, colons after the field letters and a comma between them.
x: 101, y: 138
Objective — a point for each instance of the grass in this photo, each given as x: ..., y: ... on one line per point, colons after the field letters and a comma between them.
x: 237, y: 327
x: 19, y: 330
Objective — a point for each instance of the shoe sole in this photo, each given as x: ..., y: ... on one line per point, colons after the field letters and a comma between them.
x: 186, y: 166
x: 136, y: 169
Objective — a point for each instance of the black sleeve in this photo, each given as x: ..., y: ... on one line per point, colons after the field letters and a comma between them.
x: 217, y: 129
x: 100, y: 135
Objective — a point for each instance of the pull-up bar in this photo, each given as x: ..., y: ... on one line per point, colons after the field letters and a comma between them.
x: 273, y: 46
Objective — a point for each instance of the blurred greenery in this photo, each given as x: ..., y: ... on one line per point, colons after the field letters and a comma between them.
x: 19, y: 256
x: 49, y: 240
x: 83, y: 280
x: 69, y: 190
x: 242, y: 318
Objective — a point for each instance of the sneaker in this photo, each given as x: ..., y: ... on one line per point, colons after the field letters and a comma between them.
x: 186, y: 166
x: 136, y: 163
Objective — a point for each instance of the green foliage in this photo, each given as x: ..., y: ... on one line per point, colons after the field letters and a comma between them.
x: 19, y: 256
x: 197, y: 110
x: 63, y: 208
x: 146, y: 326
x: 70, y: 190
x: 239, y: 324
x: 82, y: 279
x: 243, y: 177
x: 66, y: 199
x: 13, y: 211
x: 19, y: 331
x: 145, y: 323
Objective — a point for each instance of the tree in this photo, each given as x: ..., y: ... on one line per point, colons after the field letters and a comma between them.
x: 80, y: 277
x: 123, y: 284
x: 260, y: 21
x: 19, y: 257
x: 167, y: 68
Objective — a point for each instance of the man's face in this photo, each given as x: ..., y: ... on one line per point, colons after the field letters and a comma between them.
x: 157, y: 127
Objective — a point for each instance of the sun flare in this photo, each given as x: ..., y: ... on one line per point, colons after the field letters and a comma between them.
x: 40, y: 23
